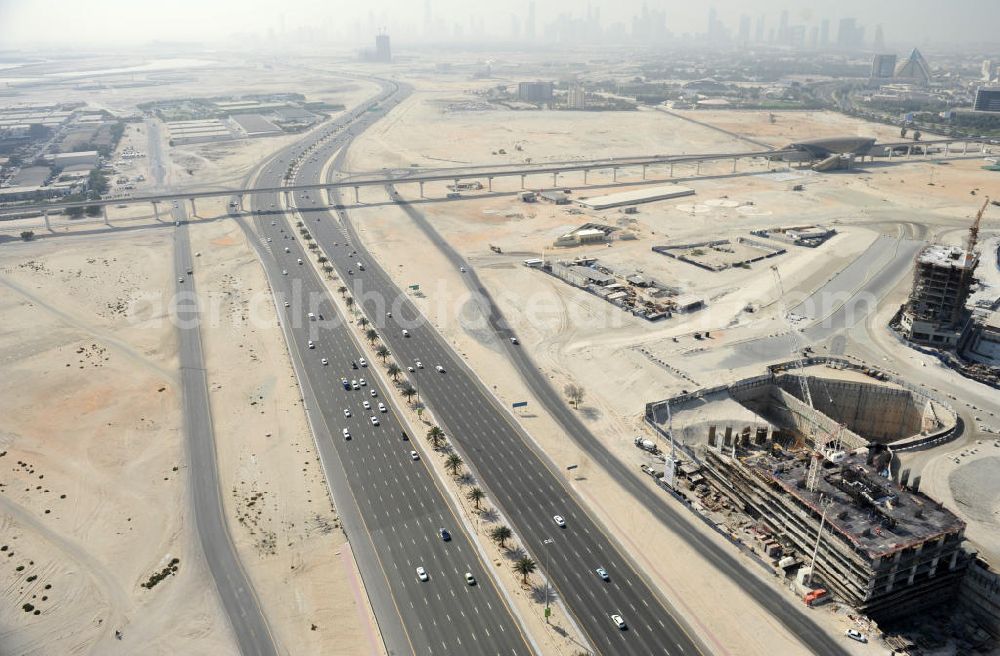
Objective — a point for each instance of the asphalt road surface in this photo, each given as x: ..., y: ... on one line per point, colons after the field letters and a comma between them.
x: 518, y: 479
x: 235, y: 591
x: 391, y: 506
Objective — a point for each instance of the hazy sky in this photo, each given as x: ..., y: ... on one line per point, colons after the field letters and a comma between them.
x: 24, y: 23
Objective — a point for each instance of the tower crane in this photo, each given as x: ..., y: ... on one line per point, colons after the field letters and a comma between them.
x: 797, y: 337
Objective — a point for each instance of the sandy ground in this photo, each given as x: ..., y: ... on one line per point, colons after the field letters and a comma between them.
x: 576, y: 337
x: 282, y: 518
x: 93, y: 493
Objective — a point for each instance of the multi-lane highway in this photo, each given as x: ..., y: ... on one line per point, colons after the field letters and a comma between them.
x: 518, y: 479
x: 235, y: 592
x: 390, y: 504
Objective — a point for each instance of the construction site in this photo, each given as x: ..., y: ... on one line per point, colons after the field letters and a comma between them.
x: 800, y: 461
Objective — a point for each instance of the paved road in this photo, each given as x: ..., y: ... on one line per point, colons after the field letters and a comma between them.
x: 776, y: 602
x: 391, y: 506
x: 518, y: 479
x: 235, y: 591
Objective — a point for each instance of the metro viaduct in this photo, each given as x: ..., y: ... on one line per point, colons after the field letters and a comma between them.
x: 455, y: 175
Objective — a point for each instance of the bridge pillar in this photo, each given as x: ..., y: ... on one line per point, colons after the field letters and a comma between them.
x: 947, y: 149
x: 156, y: 210
x: 104, y: 213
x: 965, y: 147
x: 671, y: 169
x: 734, y: 165
x: 357, y: 198
x: 522, y: 181
x: 421, y: 189
x: 697, y: 168
x: 456, y: 185
x: 555, y: 179
x: 909, y: 151
x: 614, y: 174
x: 194, y: 209
x: 585, y: 176
x: 45, y: 215
x: 644, y: 171
x: 891, y: 151
x: 489, y: 183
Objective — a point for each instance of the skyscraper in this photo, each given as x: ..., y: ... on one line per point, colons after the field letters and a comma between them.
x: 744, y: 35
x: 783, y: 28
x: 824, y: 33
x: 879, y: 39
x: 529, y: 26
x: 850, y: 35
x: 758, y: 33
x: 382, y: 50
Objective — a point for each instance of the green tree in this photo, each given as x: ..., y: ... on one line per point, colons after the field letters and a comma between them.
x: 476, y: 496
x: 409, y: 391
x: 575, y: 394
x: 435, y: 435
x: 350, y: 302
x: 382, y: 351
x: 92, y: 210
x: 74, y: 212
x: 371, y: 335
x: 363, y: 321
x: 27, y: 235
x: 342, y: 290
x: 500, y: 535
x: 394, y: 370
x: 525, y: 566
x: 454, y: 462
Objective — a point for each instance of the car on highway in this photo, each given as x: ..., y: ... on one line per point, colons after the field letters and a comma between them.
x: 347, y: 412
x: 406, y: 333
x: 440, y: 369
x: 420, y: 365
x: 287, y: 249
x: 373, y: 392
x: 513, y: 340
x: 366, y: 405
x: 354, y: 384
x: 325, y: 362
x: 406, y: 438
x: 470, y: 579
x: 284, y: 272
x: 422, y: 574
x: 854, y: 634
x: 603, y: 573
x: 345, y: 383
x: 618, y: 621
x: 273, y: 223
x: 560, y: 522
x: 414, y: 455
x: 180, y: 280
x: 269, y: 240
x: 462, y: 269
x: 287, y: 304
x: 362, y: 362
x: 374, y: 421
x: 361, y: 381
x: 410, y: 368
x: 311, y: 344
x: 300, y: 260
x: 445, y: 535
x: 347, y: 434
x: 382, y: 408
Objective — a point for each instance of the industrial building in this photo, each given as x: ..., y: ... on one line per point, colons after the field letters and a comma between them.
x: 935, y: 311
x: 884, y: 549
x: 987, y: 99
x: 535, y: 92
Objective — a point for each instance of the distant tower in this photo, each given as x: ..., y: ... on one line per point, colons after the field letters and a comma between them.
x: 529, y: 27
x: 744, y: 37
x: 987, y: 70
x: 382, y: 51
x: 879, y: 39
x: 783, y: 28
x: 758, y: 33
x: 824, y: 33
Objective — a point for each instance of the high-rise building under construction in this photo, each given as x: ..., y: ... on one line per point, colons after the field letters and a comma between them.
x: 935, y: 312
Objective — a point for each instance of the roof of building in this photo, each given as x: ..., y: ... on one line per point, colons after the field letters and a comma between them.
x: 873, y: 513
x: 826, y: 146
x: 914, y: 67
x: 946, y: 256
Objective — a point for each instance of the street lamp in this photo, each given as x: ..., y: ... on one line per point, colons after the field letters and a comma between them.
x: 546, y: 542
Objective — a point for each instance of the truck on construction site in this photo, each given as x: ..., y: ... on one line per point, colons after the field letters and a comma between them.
x: 646, y: 445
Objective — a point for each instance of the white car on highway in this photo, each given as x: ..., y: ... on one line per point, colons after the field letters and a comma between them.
x: 406, y: 333
x: 374, y: 392
x: 619, y: 622
x: 366, y: 405
x: 374, y: 421
x: 361, y: 381
x: 422, y: 574
x: 414, y: 455
x: 420, y: 365
x: 347, y: 412
x: 325, y: 362
x: 440, y: 369
x: 362, y: 362
x: 347, y: 434
x: 382, y: 408
x: 560, y: 522
x: 312, y: 344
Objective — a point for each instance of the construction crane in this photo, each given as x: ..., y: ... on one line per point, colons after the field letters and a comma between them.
x: 970, y: 244
x: 797, y: 345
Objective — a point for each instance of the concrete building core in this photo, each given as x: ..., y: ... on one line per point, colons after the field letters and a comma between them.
x: 885, y: 550
x: 935, y: 311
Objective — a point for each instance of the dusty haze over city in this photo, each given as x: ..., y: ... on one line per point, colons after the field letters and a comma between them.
x: 541, y: 328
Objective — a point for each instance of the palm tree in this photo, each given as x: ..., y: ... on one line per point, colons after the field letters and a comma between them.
x: 382, y: 351
x: 408, y: 391
x: 371, y: 335
x: 500, y: 535
x: 525, y: 566
x: 453, y: 463
x: 475, y: 495
x: 322, y: 259
x: 350, y: 302
x: 394, y: 370
x: 363, y: 321
x: 342, y: 290
x: 435, y: 435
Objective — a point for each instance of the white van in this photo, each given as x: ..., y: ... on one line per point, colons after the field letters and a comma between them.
x: 312, y: 317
